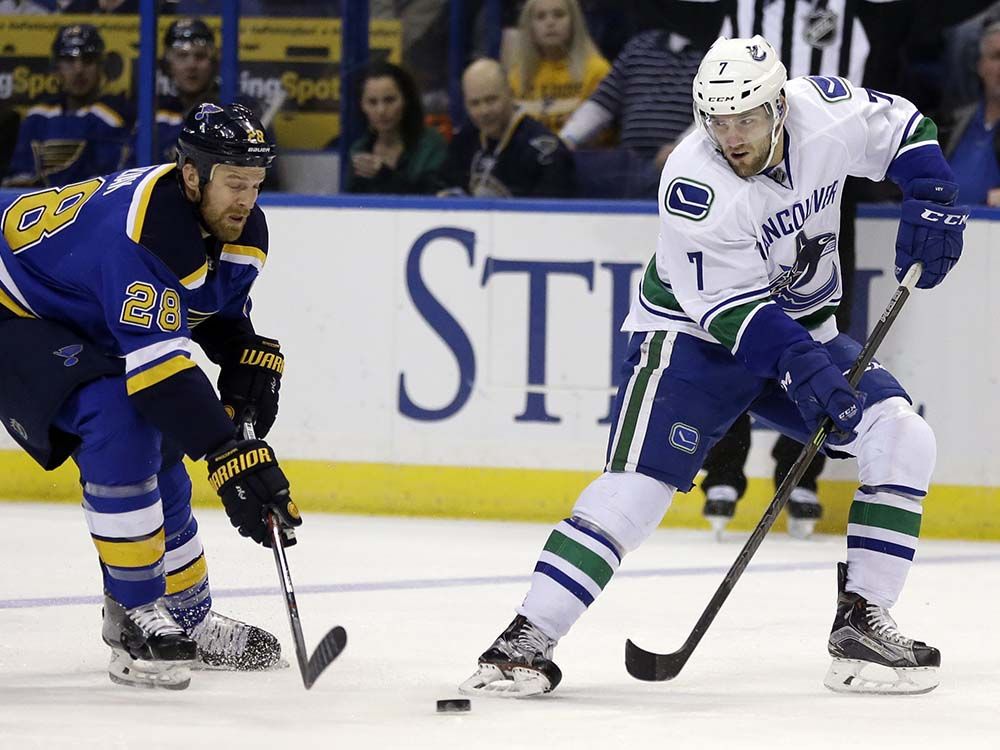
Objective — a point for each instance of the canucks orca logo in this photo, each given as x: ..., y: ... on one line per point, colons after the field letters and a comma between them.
x: 794, y: 288
x: 687, y: 198
x: 756, y: 53
x: 70, y: 354
x: 207, y: 109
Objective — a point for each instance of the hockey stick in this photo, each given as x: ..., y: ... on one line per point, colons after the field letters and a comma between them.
x: 646, y: 665
x: 333, y: 642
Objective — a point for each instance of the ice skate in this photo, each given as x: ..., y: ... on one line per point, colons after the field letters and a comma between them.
x: 518, y: 664
x: 148, y: 648
x: 720, y: 505
x: 869, y: 653
x: 804, y: 511
x: 228, y: 644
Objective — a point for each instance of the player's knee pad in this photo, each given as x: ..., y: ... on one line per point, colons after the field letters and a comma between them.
x: 896, y: 447
x: 626, y: 506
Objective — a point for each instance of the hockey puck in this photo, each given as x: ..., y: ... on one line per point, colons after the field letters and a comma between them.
x: 454, y: 705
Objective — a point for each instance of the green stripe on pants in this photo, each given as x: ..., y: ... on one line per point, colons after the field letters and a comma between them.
x: 630, y: 411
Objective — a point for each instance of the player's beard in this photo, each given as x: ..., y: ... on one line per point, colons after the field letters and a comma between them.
x: 220, y: 224
x: 753, y: 162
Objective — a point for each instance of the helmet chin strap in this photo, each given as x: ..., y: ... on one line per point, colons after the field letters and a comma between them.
x: 779, y: 121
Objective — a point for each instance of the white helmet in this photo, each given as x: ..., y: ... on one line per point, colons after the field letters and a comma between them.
x: 737, y: 75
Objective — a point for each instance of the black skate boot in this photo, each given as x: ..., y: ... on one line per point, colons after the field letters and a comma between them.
x: 517, y: 665
x: 804, y: 511
x: 148, y: 648
x: 864, y: 637
x: 720, y: 505
x: 225, y: 643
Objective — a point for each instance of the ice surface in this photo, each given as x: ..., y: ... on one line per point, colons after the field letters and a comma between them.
x: 420, y: 599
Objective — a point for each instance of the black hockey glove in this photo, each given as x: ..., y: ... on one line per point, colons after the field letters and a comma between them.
x: 246, y: 475
x: 250, y: 380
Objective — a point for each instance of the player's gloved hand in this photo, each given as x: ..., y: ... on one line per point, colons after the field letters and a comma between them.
x: 930, y: 230
x: 247, y: 477
x: 250, y: 380
x: 819, y: 389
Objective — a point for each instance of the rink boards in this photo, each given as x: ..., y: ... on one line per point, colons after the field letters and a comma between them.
x: 458, y: 358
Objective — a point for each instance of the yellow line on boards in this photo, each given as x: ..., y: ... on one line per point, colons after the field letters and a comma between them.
x: 950, y: 511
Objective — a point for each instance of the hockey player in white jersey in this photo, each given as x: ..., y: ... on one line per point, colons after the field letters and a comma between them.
x: 735, y: 311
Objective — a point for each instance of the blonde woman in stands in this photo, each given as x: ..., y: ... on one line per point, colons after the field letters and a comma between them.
x: 554, y: 65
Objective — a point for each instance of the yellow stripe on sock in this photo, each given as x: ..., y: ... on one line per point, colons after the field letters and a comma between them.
x: 132, y: 554
x: 192, y: 575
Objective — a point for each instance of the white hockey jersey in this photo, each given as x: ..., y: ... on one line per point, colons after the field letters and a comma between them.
x: 728, y: 245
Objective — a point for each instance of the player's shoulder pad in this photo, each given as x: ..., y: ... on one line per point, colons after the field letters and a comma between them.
x: 50, y: 105
x: 114, y: 110
x: 692, y: 180
x: 827, y: 89
x: 688, y: 198
x: 170, y: 230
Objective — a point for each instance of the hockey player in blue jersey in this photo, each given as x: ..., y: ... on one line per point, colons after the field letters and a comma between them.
x: 77, y: 133
x: 105, y: 287
x: 735, y: 311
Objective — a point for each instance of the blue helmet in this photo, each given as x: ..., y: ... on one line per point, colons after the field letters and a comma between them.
x: 223, y: 134
x: 78, y: 40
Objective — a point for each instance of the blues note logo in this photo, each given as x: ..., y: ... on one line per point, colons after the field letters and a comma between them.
x: 70, y: 354
x: 207, y: 109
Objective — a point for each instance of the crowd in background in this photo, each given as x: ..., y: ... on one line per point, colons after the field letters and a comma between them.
x: 587, y: 98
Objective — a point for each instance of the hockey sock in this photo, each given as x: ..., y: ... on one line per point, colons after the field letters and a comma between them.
x: 882, y: 532
x: 126, y: 525
x: 573, y: 568
x: 188, y: 595
x: 896, y: 452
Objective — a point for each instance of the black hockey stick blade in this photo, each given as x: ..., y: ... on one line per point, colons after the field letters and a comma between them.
x: 326, y: 651
x: 645, y: 665
x: 653, y: 667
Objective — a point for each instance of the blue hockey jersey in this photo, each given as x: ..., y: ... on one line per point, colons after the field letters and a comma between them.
x: 56, y: 145
x: 122, y: 260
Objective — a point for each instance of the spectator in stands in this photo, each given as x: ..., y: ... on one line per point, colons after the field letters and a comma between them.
x: 970, y: 136
x: 555, y: 66
x: 398, y: 153
x: 191, y: 61
x: 503, y: 152
x: 77, y: 133
x: 648, y: 91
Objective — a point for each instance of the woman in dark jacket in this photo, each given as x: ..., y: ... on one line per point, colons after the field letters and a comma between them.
x: 398, y: 153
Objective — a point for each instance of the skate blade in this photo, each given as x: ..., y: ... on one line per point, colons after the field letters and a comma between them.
x: 198, y: 665
x: 165, y: 675
x: 844, y: 676
x: 801, y: 528
x: 490, y: 680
